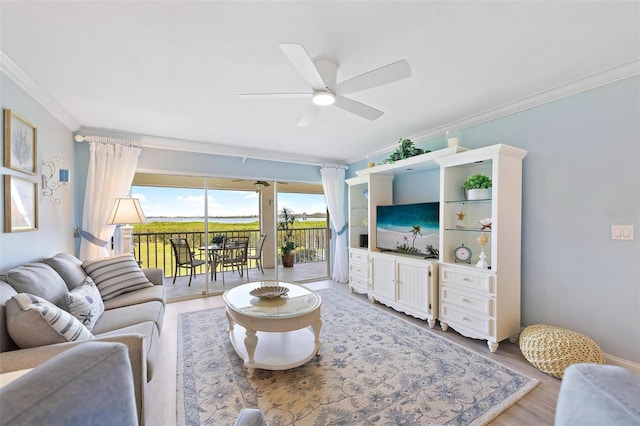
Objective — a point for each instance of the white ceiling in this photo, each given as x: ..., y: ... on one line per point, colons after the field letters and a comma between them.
x: 169, y: 71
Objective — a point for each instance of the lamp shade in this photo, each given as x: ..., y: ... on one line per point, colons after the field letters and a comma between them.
x: 126, y: 211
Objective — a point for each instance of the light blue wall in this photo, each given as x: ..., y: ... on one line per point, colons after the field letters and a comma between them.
x: 581, y: 175
x: 55, y: 227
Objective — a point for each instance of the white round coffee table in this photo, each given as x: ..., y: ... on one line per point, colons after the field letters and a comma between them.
x: 274, y: 334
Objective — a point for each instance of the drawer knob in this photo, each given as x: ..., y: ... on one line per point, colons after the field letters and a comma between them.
x: 466, y: 319
x: 466, y: 279
x: 466, y: 300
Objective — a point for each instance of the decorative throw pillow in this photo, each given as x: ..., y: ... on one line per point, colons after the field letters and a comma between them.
x: 69, y: 268
x: 85, y: 303
x: 41, y: 280
x: 32, y: 322
x: 116, y: 275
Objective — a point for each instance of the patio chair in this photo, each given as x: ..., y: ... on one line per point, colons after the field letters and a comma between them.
x: 257, y: 255
x: 233, y: 254
x: 185, y: 258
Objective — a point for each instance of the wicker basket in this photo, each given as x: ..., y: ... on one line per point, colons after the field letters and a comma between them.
x: 552, y: 349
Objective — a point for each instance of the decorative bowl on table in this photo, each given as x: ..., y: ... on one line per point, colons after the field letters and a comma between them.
x: 269, y: 292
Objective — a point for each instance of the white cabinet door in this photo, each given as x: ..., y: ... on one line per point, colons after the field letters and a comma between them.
x: 413, y: 281
x: 407, y: 285
x: 383, y: 279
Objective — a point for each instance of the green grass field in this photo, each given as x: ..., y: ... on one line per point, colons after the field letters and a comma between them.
x: 178, y: 227
x: 152, y: 239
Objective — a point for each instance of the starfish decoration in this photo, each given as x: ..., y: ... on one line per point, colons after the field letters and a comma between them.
x: 460, y: 215
x: 87, y: 317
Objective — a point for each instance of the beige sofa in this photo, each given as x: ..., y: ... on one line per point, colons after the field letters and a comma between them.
x: 133, y: 318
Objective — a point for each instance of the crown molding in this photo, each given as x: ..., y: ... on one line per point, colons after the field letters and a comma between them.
x: 12, y: 70
x: 592, y: 81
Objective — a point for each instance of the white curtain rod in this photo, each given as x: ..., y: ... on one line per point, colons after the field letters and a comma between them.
x: 103, y: 139
x: 336, y: 166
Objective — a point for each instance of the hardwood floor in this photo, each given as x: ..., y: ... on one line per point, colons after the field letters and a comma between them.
x: 536, y: 408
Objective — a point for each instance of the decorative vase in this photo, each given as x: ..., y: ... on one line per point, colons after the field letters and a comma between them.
x: 287, y: 260
x: 477, y: 194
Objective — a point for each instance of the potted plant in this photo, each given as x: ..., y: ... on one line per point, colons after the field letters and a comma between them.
x: 286, y: 220
x: 477, y: 187
x: 405, y: 150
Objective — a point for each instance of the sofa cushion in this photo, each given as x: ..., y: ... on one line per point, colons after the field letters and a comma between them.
x: 69, y: 268
x: 6, y: 293
x: 40, y: 280
x: 151, y: 340
x: 90, y: 384
x: 113, y: 319
x: 32, y: 321
x: 116, y: 275
x: 593, y: 394
x: 85, y: 303
x: 148, y: 294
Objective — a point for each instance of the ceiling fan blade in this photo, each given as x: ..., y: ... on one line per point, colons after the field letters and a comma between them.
x: 275, y: 95
x: 308, y: 116
x: 383, y: 75
x: 300, y: 59
x: 357, y: 108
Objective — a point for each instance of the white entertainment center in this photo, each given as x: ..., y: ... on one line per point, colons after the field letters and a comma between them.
x: 478, y: 299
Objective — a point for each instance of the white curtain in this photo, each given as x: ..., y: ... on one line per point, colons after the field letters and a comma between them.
x: 333, y: 184
x: 112, y: 164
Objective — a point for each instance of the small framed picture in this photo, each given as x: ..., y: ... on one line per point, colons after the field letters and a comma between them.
x: 20, y: 143
x: 20, y: 204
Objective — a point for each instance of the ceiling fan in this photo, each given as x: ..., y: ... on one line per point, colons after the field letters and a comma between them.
x: 257, y: 182
x: 321, y: 74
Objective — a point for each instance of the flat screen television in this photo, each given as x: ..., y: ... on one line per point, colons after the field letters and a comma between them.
x: 409, y: 228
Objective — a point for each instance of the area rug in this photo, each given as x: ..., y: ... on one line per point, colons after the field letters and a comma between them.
x: 374, y: 368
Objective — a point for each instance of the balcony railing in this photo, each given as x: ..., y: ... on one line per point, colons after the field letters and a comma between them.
x: 154, y: 249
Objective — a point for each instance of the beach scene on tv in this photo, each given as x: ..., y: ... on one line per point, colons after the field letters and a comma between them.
x: 409, y: 228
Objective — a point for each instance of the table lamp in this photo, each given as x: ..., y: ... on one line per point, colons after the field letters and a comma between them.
x: 126, y: 211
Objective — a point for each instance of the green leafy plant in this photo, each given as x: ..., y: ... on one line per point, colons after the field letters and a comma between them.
x: 286, y: 220
x: 405, y: 150
x: 477, y: 182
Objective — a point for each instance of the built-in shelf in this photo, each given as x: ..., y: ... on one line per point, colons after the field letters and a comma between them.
x: 468, y: 201
x: 488, y: 231
x: 419, y: 163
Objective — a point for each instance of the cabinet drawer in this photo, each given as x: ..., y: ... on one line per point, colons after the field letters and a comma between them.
x: 469, y: 279
x: 358, y: 281
x: 478, y: 323
x: 358, y: 257
x: 482, y: 305
x: 360, y: 270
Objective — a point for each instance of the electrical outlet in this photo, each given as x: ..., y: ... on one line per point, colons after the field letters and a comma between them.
x: 622, y: 232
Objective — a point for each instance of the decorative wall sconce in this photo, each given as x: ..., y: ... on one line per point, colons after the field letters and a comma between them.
x: 49, y: 184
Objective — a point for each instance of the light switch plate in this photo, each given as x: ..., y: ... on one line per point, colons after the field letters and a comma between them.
x: 622, y: 232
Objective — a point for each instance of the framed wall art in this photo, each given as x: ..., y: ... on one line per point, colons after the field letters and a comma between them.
x: 20, y: 143
x: 20, y: 204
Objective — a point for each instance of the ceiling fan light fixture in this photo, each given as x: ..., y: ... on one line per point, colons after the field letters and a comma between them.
x: 323, y: 98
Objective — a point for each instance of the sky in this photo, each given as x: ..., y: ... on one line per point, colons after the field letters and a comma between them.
x: 173, y: 202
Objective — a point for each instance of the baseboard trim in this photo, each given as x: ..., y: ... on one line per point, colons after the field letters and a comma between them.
x: 621, y: 362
